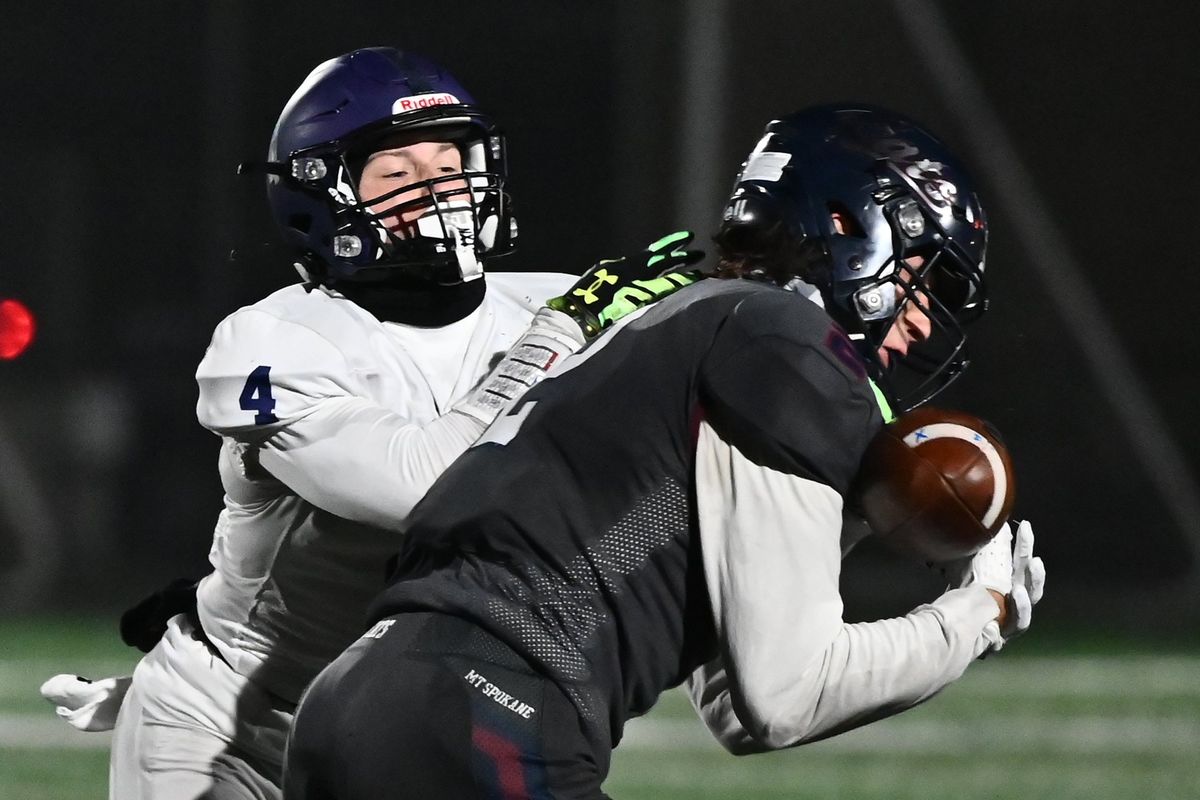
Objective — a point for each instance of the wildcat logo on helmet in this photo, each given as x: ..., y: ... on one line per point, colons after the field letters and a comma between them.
x: 423, y: 101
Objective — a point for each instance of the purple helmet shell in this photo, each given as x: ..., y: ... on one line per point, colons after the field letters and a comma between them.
x: 343, y: 109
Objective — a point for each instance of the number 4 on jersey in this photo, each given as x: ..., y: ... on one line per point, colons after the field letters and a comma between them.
x: 256, y: 396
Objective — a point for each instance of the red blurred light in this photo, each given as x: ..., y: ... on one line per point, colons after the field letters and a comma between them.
x: 16, y: 329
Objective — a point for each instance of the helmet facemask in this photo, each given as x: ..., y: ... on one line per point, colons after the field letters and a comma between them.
x: 925, y: 271
x: 437, y: 230
x: 887, y: 221
x: 934, y: 360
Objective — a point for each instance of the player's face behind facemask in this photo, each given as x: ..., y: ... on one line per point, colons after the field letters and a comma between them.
x: 435, y: 225
x: 402, y: 183
x: 431, y: 201
x: 424, y: 201
x: 871, y: 216
x: 912, y: 332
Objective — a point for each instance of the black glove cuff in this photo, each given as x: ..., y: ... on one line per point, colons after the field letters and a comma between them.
x: 145, y: 623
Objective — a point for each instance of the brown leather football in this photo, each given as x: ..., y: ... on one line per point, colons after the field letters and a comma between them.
x: 935, y: 484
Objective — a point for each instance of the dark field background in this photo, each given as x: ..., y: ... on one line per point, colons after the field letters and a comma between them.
x: 121, y: 129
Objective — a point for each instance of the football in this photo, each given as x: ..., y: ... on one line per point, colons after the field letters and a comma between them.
x: 935, y: 484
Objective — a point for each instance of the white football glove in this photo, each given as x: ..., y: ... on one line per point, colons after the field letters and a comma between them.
x: 1009, y: 568
x: 991, y: 567
x: 85, y: 704
x: 1028, y: 581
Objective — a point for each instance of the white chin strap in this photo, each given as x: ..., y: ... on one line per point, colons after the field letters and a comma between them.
x: 453, y: 221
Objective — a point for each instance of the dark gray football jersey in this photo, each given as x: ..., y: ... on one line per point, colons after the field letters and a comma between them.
x: 569, y: 531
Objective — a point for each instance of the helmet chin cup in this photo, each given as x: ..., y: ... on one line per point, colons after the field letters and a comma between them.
x: 453, y: 224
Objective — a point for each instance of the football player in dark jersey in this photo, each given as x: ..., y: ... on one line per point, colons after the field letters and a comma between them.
x: 667, y: 505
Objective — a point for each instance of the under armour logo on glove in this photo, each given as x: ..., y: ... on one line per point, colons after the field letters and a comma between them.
x: 614, y: 288
x: 602, y: 277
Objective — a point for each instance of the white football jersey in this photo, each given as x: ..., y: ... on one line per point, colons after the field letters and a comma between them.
x: 333, y: 426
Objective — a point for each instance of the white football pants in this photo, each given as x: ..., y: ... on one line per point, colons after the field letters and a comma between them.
x: 192, y: 728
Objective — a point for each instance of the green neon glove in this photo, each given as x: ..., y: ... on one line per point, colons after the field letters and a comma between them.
x: 614, y: 288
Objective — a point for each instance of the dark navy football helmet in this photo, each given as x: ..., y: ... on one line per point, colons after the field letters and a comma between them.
x: 880, y: 204
x: 353, y: 105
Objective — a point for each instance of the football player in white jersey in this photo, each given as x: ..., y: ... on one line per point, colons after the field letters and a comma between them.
x: 339, y: 400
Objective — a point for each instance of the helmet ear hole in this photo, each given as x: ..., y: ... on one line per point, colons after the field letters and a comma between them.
x: 844, y: 221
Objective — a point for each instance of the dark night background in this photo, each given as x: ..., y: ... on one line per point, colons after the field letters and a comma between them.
x: 121, y: 128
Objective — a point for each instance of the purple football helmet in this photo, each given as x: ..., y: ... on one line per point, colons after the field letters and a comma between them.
x: 347, y: 108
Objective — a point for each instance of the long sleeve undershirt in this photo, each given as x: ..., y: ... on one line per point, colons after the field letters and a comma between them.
x: 790, y: 670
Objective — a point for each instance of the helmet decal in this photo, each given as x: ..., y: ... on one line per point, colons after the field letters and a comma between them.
x: 765, y: 165
x: 404, y: 104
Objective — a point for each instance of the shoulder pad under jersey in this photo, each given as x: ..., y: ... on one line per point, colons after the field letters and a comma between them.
x: 529, y: 290
x: 272, y: 362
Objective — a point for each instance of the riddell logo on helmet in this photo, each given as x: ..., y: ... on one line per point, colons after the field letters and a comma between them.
x: 423, y: 101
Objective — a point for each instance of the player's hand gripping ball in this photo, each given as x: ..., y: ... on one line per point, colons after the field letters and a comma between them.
x: 935, y: 484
